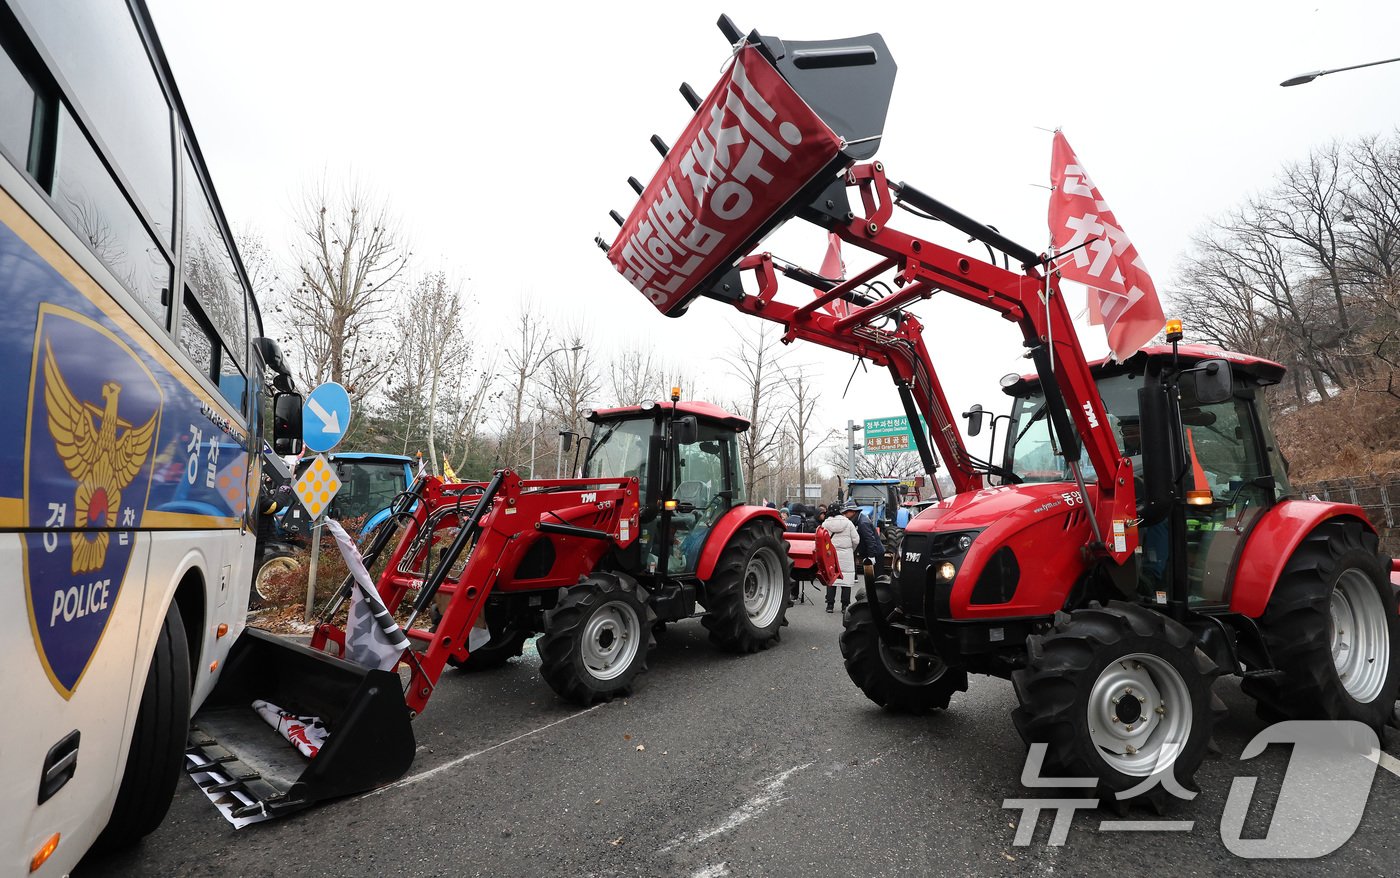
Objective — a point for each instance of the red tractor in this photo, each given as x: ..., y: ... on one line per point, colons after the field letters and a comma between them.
x: 656, y: 527
x: 1112, y: 591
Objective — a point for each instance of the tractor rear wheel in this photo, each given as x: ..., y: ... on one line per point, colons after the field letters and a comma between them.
x: 746, y: 599
x: 883, y: 673
x: 1120, y: 694
x: 1331, y: 630
x: 596, y: 639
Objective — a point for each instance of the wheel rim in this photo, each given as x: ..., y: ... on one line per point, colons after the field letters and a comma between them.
x: 611, y: 640
x: 272, y: 567
x: 1140, y: 714
x: 1360, y: 636
x: 763, y: 587
x: 926, y: 669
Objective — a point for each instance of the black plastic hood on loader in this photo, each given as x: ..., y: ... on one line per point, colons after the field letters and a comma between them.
x: 370, y: 741
x: 847, y: 82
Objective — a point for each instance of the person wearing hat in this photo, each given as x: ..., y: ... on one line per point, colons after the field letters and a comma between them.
x: 869, y: 548
x: 844, y: 539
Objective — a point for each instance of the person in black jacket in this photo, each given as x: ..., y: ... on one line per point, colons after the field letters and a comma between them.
x: 870, y: 548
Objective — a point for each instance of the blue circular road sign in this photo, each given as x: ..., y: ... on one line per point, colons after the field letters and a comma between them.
x: 325, y: 417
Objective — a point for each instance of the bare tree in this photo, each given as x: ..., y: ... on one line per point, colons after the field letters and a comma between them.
x: 755, y: 361
x: 350, y: 259
x: 533, y: 342
x: 571, y: 384
x: 635, y: 375
x: 799, y: 416
x: 433, y: 347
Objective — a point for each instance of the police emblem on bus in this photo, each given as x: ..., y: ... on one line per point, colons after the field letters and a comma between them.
x: 93, y: 417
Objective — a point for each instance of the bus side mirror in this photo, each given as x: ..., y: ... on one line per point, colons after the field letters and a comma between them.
x: 286, y: 423
x: 1214, y: 383
x: 974, y: 419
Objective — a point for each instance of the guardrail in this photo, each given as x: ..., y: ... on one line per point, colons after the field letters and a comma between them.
x: 1377, y: 493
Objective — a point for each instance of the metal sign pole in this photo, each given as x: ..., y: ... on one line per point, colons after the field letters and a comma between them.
x: 311, y: 571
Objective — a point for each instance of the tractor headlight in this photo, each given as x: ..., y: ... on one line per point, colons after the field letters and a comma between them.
x: 945, y: 572
x: 964, y: 542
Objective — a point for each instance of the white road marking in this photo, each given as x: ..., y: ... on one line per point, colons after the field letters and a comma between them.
x: 771, y: 795
x: 433, y: 772
x: 719, y: 870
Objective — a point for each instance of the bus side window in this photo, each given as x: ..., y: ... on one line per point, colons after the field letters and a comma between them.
x: 16, y: 111
x: 196, y: 337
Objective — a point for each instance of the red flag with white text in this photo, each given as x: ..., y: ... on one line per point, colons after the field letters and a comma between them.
x: 1122, y: 296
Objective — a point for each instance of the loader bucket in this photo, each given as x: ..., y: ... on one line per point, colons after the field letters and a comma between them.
x: 783, y: 123
x: 370, y: 741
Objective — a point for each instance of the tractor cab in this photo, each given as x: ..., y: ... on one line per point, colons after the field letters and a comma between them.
x: 685, y: 457
x: 1197, y: 434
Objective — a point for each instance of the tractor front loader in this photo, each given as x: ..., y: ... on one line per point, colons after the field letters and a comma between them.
x: 1133, y: 536
x: 655, y: 526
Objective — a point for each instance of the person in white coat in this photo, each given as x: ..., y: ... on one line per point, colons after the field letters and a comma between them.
x: 844, y: 538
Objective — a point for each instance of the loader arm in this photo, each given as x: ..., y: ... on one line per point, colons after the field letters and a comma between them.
x: 809, y: 173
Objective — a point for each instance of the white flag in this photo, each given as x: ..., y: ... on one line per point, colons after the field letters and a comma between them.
x: 372, y: 637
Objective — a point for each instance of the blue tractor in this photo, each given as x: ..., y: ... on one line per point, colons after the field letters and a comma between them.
x: 369, y: 484
x: 881, y: 500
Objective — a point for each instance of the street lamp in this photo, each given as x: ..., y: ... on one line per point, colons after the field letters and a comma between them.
x: 1309, y: 77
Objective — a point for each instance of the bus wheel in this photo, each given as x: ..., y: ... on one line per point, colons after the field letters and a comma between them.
x: 157, y: 743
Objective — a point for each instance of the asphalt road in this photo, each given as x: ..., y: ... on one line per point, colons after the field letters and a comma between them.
x: 772, y: 764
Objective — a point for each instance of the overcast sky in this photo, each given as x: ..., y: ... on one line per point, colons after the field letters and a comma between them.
x: 503, y: 133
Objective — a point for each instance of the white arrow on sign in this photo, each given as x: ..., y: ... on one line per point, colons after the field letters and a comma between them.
x: 331, y: 420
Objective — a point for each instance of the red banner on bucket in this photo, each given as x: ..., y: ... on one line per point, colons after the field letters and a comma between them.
x: 753, y: 144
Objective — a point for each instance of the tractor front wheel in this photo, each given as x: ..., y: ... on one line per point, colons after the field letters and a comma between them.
x: 1331, y: 627
x: 270, y: 564
x: 884, y: 674
x: 596, y: 639
x: 1119, y: 694
x: 746, y: 599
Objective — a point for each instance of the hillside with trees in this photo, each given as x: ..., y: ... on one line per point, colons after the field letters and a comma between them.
x: 1307, y: 273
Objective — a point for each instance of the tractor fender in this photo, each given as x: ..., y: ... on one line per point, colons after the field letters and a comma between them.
x: 1272, y: 542
x: 724, y: 529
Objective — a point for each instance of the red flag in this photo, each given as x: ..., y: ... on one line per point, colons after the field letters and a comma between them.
x: 834, y: 268
x: 1121, y: 294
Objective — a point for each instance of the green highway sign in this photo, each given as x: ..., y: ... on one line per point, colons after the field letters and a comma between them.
x: 888, y: 435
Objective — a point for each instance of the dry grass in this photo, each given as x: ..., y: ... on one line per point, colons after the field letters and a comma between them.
x: 1351, y: 435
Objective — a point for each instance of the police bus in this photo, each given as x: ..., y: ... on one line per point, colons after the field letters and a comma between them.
x: 132, y: 371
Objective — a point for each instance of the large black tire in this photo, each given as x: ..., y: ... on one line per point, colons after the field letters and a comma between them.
x: 596, y: 639
x: 746, y: 599
x: 272, y: 562
x: 883, y: 674
x: 1087, y: 692
x: 1335, y: 573
x: 153, y: 764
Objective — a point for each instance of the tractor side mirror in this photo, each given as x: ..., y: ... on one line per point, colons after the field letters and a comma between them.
x: 1214, y: 383
x: 686, y: 430
x: 566, y: 440
x: 974, y: 417
x: 286, y: 423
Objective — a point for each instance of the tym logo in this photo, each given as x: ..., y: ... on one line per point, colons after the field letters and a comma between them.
x: 1089, y: 413
x: 590, y: 497
x: 913, y: 557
